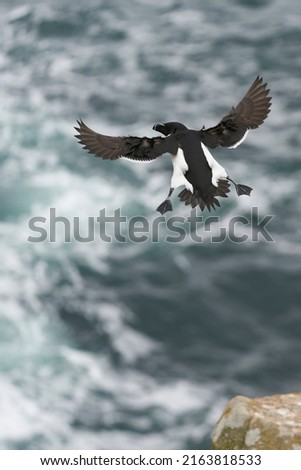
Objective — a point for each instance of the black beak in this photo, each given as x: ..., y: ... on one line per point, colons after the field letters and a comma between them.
x: 159, y: 127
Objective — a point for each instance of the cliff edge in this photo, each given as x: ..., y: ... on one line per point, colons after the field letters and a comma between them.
x: 272, y: 422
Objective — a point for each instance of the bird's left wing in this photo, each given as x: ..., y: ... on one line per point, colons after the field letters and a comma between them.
x: 136, y: 148
x: 250, y: 112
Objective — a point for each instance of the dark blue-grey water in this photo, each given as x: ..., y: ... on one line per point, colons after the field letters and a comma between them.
x: 140, y: 345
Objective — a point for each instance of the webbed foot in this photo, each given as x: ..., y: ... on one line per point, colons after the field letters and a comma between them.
x: 241, y: 188
x: 165, y: 206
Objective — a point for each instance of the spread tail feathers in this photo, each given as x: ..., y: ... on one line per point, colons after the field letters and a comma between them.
x: 196, y: 200
x: 208, y: 200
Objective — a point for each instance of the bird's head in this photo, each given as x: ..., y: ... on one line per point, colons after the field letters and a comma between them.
x: 168, y: 128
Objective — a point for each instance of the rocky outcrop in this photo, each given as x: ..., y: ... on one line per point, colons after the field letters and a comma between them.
x: 272, y: 422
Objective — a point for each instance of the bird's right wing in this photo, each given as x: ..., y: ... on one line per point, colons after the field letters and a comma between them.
x: 135, y: 148
x: 250, y: 112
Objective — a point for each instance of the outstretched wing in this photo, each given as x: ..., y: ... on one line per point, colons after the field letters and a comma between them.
x: 250, y: 112
x: 135, y: 148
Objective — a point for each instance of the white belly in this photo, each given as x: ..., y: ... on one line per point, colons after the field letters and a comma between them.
x: 179, y: 169
x: 218, y: 172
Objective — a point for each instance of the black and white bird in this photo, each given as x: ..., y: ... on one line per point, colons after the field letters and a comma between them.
x: 203, y: 178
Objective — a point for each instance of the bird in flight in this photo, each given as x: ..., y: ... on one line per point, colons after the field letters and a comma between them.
x: 203, y: 178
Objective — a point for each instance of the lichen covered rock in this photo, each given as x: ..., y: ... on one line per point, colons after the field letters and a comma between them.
x: 272, y: 422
